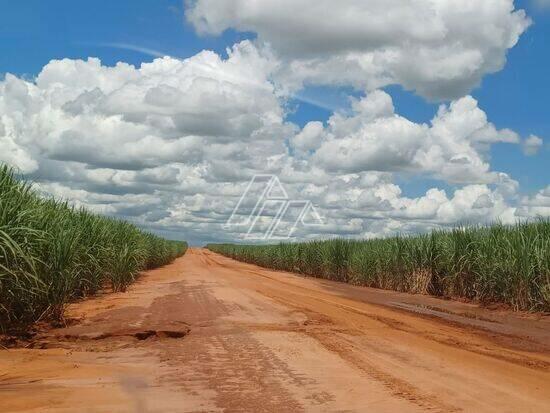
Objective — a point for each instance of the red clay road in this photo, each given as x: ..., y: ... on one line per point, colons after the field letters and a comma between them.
x: 209, y: 334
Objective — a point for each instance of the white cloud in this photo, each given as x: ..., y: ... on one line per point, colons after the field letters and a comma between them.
x: 532, y: 145
x: 309, y: 138
x: 127, y: 118
x: 16, y: 156
x: 440, y: 48
x: 374, y: 137
x: 139, y: 142
x: 536, y: 205
x: 172, y: 144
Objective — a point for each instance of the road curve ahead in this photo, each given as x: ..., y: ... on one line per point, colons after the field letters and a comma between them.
x: 209, y: 334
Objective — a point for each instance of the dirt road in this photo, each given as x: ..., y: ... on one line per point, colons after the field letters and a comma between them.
x: 210, y: 334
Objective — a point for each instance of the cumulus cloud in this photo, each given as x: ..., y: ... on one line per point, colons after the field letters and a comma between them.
x: 536, y: 205
x: 441, y: 49
x: 532, y: 145
x: 377, y: 207
x: 126, y: 118
x: 374, y: 137
x: 171, y: 145
x: 309, y: 138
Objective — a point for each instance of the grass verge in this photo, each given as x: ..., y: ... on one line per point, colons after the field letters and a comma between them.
x: 51, y: 253
x: 490, y: 264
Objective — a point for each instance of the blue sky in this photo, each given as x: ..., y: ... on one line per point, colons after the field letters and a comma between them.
x: 34, y: 32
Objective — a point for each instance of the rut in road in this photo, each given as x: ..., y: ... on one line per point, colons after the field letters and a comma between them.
x: 207, y: 333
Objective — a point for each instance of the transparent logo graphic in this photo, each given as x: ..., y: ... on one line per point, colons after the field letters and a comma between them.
x: 266, y: 212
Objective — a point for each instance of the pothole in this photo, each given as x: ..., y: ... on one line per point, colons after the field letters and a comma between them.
x: 144, y: 335
x: 126, y: 334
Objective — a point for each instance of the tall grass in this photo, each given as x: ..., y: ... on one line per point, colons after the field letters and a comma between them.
x: 51, y: 253
x: 496, y: 263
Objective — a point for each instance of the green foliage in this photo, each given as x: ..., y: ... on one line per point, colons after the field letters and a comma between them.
x: 498, y: 263
x: 51, y: 253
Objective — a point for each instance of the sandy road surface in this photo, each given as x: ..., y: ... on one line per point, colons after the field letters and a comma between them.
x: 210, y: 334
